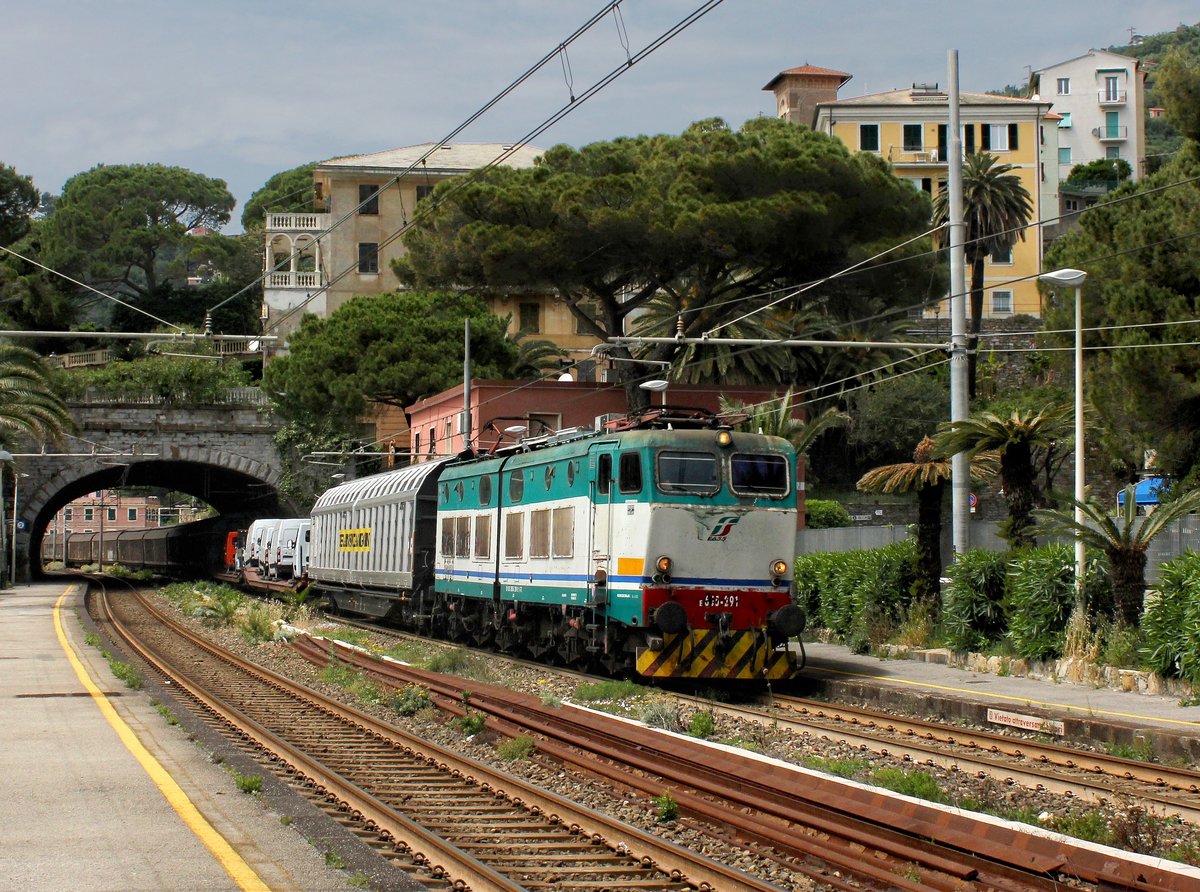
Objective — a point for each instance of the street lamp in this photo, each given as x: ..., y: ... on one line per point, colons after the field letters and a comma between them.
x: 657, y: 385
x: 16, y: 490
x: 5, y: 458
x: 1073, y: 278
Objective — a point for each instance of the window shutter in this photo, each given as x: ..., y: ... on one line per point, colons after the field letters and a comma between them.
x: 969, y: 139
x: 1012, y: 137
x: 985, y: 137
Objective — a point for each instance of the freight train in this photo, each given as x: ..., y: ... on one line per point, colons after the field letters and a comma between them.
x: 661, y: 547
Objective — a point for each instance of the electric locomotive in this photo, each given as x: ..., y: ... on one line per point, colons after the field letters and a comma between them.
x: 662, y: 548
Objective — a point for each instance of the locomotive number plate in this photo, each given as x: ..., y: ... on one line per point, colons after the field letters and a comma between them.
x: 719, y: 599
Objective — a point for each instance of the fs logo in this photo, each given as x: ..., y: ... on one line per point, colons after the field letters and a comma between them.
x: 722, y: 528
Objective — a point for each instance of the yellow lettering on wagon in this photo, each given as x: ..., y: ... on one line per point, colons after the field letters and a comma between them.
x: 354, y: 540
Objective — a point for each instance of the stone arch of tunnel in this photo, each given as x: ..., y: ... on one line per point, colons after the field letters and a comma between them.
x: 233, y: 485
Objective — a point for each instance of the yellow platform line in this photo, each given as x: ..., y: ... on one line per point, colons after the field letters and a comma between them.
x: 975, y: 693
x: 239, y: 871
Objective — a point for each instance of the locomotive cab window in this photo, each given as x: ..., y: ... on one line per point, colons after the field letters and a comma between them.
x: 759, y: 474
x: 604, y: 474
x: 691, y: 472
x: 629, y: 473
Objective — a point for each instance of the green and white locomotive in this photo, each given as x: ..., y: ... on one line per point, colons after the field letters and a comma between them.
x: 663, y: 548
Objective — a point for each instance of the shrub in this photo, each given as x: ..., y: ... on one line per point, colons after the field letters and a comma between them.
x: 1038, y: 601
x: 411, y: 699
x: 859, y: 595
x: 1171, y: 623
x: 702, y: 724
x: 822, y: 514
x: 662, y: 714
x: 516, y: 749
x: 972, y: 615
x: 258, y: 626
x: 667, y: 807
x: 472, y: 723
x: 177, y: 382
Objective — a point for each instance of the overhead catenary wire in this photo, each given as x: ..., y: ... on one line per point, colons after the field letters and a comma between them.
x: 461, y: 182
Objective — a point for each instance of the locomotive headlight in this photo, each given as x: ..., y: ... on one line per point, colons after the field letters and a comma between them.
x: 779, y: 568
x: 663, y: 564
x: 724, y: 438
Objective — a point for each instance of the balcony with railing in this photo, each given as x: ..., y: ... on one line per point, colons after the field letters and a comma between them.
x: 298, y: 222
x: 913, y: 155
x: 1111, y: 133
x: 294, y: 279
x: 1113, y: 97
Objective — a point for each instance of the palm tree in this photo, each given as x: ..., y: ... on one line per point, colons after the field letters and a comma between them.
x: 777, y: 418
x: 1124, y: 539
x: 1014, y: 439
x: 996, y: 208
x: 927, y: 476
x: 29, y: 404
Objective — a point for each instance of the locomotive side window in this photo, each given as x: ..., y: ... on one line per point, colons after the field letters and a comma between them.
x: 604, y: 474
x: 447, y: 548
x: 629, y: 473
x: 759, y: 474
x: 564, y: 532
x: 483, y: 535
x: 539, y: 533
x: 514, y: 529
x: 516, y: 486
x: 691, y: 472
x: 462, y: 536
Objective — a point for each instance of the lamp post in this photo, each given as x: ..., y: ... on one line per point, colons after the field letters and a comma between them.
x: 16, y: 491
x: 658, y: 386
x: 5, y: 458
x: 1074, y: 278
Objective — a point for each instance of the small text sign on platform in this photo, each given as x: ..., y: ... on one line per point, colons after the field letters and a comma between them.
x: 1026, y: 722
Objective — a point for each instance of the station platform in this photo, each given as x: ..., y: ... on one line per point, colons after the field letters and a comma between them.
x: 101, y: 792
x: 924, y: 683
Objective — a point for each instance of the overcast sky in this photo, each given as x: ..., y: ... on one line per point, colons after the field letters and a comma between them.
x: 242, y: 90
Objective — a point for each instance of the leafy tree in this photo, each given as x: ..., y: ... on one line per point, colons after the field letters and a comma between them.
x: 29, y: 405
x: 1179, y: 87
x: 712, y: 222
x: 996, y: 208
x: 18, y: 201
x: 1015, y: 439
x: 386, y: 348
x: 289, y: 190
x: 1142, y: 276
x: 1107, y: 170
x: 927, y: 476
x: 777, y: 418
x: 1124, y: 539
x: 124, y: 228
x: 892, y: 414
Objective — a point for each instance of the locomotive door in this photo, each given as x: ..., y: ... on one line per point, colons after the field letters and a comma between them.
x: 602, y: 458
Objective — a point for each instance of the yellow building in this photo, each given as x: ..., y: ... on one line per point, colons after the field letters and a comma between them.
x: 908, y: 128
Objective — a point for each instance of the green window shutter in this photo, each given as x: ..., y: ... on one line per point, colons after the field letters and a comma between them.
x: 1012, y: 137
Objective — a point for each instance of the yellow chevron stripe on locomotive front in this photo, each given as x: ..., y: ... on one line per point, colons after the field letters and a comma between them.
x: 743, y: 655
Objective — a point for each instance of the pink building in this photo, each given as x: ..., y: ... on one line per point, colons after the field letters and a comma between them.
x: 541, y: 406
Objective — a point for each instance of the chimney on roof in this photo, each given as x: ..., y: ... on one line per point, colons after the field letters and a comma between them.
x: 798, y: 90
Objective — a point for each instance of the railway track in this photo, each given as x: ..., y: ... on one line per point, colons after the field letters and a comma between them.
x: 1062, y: 770
x: 451, y: 822
x: 805, y: 816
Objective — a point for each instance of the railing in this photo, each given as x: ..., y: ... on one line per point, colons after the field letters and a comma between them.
x: 232, y: 396
x: 297, y: 222
x: 908, y: 155
x: 1104, y: 134
x: 80, y: 360
x: 311, y: 279
x: 1109, y: 98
